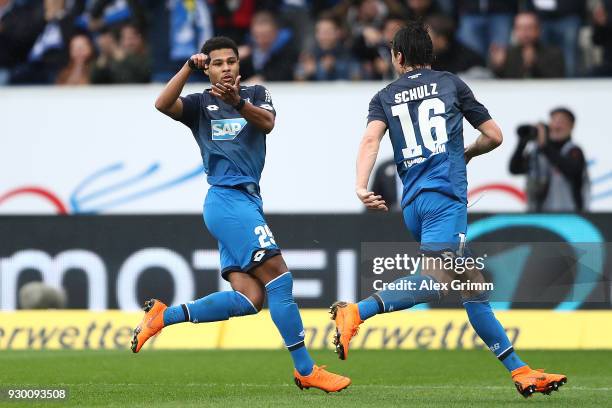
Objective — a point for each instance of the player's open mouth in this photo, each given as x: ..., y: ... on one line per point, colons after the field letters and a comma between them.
x: 227, y: 78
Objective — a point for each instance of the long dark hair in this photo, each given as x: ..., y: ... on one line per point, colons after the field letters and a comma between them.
x: 414, y: 43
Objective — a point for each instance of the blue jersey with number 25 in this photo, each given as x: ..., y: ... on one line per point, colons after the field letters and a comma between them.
x: 233, y: 150
x: 424, y: 111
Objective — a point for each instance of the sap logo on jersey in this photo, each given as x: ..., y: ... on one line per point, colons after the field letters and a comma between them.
x: 227, y: 129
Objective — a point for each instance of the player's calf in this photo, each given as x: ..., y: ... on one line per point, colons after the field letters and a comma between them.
x: 278, y: 283
x: 348, y: 316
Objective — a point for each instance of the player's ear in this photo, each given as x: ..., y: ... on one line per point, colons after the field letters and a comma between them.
x: 400, y: 58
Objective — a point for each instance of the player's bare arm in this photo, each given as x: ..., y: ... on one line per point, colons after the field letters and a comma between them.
x: 168, y: 102
x: 230, y: 94
x: 366, y: 158
x: 490, y: 138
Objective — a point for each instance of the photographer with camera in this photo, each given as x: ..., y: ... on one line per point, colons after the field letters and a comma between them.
x: 557, y: 178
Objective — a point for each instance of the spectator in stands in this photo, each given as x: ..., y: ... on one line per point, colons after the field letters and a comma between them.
x: 82, y: 55
x: 137, y: 60
x: 449, y: 54
x: 318, y: 7
x: 20, y: 24
x: 112, y: 14
x: 366, y: 14
x: 561, y: 21
x: 233, y: 18
x: 420, y: 9
x: 178, y: 32
x: 486, y: 24
x: 269, y: 55
x: 448, y: 7
x: 297, y: 15
x: 602, y: 36
x: 124, y: 61
x: 329, y: 59
x: 529, y: 58
x: 557, y: 177
x: 372, y: 50
x: 50, y: 50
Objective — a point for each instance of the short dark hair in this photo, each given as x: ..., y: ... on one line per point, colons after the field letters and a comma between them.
x: 329, y: 17
x: 570, y: 115
x: 133, y: 25
x: 265, y: 17
x: 219, y: 43
x: 394, y: 17
x: 414, y: 43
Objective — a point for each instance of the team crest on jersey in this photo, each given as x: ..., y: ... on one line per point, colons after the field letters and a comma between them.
x: 227, y: 129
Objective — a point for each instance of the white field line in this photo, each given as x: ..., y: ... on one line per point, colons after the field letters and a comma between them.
x: 381, y: 386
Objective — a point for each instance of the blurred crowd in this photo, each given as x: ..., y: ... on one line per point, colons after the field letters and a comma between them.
x: 138, y: 41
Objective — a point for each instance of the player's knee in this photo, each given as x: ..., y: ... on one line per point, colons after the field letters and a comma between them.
x: 271, y: 269
x: 254, y: 293
x: 250, y: 289
x: 481, y: 295
x: 256, y: 298
x: 441, y: 278
x: 476, y: 285
x: 443, y: 292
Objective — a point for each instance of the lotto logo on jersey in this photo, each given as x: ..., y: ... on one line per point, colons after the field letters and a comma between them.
x: 227, y: 129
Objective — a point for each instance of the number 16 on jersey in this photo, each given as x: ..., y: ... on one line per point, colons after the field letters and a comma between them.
x: 426, y: 123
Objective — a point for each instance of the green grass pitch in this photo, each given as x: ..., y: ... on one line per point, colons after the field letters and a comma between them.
x: 263, y: 378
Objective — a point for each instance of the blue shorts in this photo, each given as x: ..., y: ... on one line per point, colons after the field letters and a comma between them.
x: 438, y: 222
x: 235, y: 218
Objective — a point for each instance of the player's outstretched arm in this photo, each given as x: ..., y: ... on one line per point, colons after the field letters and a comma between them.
x: 230, y: 94
x: 366, y: 158
x: 490, y: 137
x: 168, y: 102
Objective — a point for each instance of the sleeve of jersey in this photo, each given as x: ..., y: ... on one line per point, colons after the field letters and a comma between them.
x: 263, y: 99
x: 375, y: 111
x: 472, y: 110
x: 191, y: 110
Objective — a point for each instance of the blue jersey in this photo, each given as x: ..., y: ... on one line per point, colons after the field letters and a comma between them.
x: 424, y: 111
x: 233, y: 150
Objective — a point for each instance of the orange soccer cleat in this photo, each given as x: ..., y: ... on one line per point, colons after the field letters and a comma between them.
x: 528, y: 381
x: 151, y: 324
x: 346, y: 316
x: 321, y: 379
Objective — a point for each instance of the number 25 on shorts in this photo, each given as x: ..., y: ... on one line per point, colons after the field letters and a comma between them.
x: 266, y: 238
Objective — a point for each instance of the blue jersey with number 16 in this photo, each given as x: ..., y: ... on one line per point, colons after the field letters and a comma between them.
x: 424, y: 111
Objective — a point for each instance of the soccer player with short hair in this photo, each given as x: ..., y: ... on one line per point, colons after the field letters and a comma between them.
x: 230, y: 123
x: 423, y: 111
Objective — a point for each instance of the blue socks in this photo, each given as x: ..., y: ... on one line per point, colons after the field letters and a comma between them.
x: 223, y: 305
x: 419, y: 289
x: 286, y: 317
x: 414, y: 289
x: 491, y: 331
x: 212, y: 308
